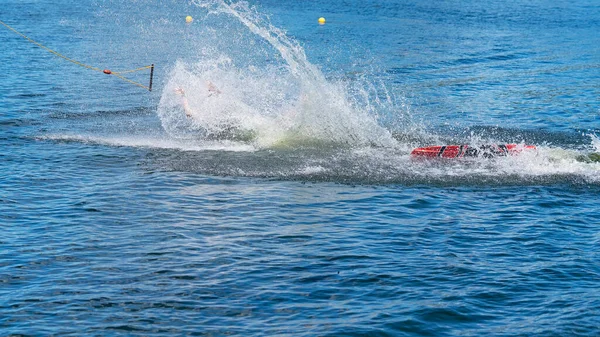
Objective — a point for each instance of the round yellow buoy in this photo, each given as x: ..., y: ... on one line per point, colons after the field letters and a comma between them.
x: 189, y: 19
x: 321, y: 20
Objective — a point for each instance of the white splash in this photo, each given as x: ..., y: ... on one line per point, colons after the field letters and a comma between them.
x: 269, y: 94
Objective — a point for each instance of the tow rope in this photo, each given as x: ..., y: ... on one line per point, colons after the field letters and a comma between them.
x: 104, y: 71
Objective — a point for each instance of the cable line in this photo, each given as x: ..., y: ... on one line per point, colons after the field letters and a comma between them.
x: 104, y: 71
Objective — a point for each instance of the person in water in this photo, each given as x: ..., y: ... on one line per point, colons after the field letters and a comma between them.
x: 212, y: 90
x: 228, y: 129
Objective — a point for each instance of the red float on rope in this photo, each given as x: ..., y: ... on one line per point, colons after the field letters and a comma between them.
x: 107, y: 72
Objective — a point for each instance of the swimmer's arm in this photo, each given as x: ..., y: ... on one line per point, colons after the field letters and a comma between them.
x: 184, y: 102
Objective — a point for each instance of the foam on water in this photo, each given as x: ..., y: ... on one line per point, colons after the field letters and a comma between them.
x: 151, y: 142
x: 377, y: 165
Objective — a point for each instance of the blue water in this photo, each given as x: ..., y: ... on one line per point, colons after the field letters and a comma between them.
x: 289, y: 204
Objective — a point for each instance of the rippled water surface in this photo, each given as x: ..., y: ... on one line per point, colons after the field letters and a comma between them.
x: 288, y: 203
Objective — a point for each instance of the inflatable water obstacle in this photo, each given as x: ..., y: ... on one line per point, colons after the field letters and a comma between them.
x: 469, y: 151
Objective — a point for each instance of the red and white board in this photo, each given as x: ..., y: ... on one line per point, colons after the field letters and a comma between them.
x: 462, y: 151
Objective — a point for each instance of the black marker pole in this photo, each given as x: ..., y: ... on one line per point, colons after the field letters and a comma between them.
x: 151, y: 77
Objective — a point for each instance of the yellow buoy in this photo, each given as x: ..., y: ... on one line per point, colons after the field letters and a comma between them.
x: 321, y: 20
x: 189, y: 19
